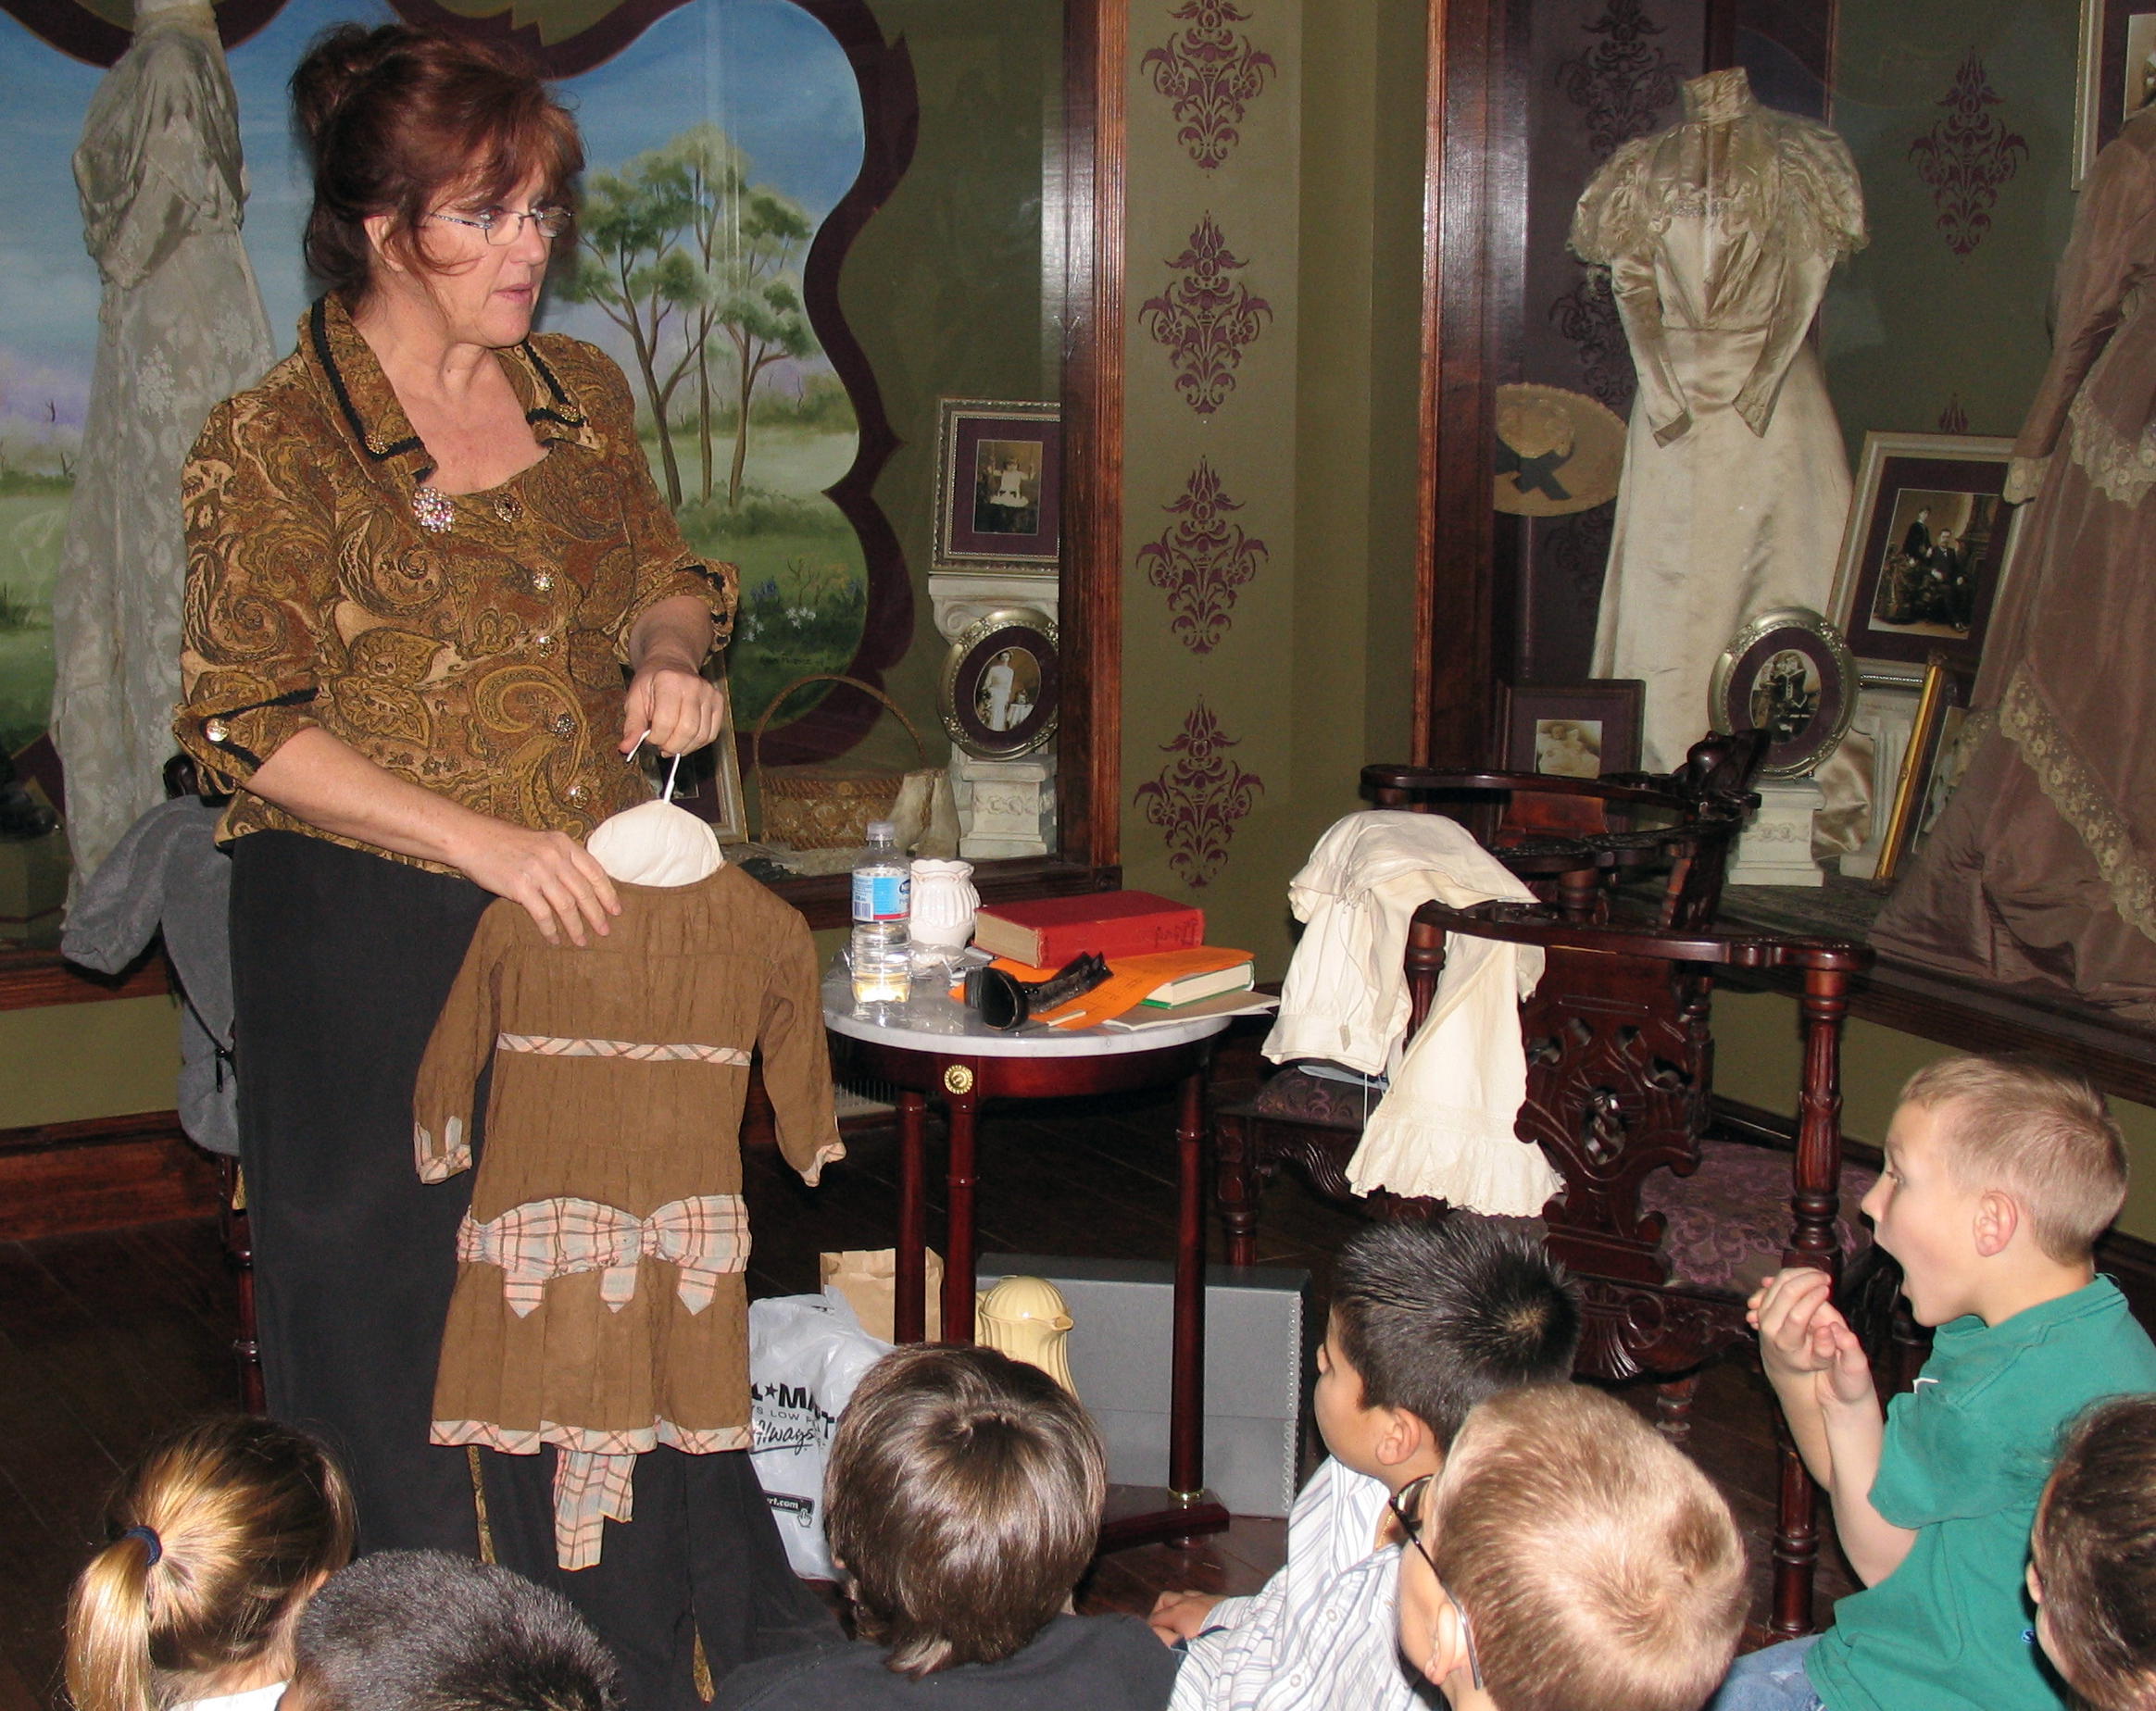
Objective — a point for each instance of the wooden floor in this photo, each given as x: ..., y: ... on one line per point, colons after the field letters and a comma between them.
x: 106, y: 1338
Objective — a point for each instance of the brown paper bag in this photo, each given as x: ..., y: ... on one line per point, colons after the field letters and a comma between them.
x: 868, y: 1279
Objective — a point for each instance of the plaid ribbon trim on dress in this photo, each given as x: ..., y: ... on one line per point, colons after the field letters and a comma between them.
x: 557, y: 1045
x: 438, y: 1165
x: 592, y: 1439
x: 593, y: 1474
x: 589, y: 1491
x: 702, y: 1237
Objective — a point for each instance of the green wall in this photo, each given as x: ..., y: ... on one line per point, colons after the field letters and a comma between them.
x: 944, y: 286
x: 1910, y: 328
x: 1321, y: 199
x: 73, y: 1062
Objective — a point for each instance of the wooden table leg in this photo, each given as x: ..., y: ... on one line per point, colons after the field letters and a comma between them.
x: 958, y: 1289
x: 909, y: 1270
x: 1186, y: 1397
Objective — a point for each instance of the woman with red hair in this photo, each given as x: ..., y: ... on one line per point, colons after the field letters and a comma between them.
x: 424, y: 553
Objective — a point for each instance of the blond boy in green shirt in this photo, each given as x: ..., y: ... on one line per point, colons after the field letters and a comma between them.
x: 2001, y: 1174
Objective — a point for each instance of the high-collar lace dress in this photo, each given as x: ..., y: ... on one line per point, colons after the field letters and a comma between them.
x: 1719, y: 234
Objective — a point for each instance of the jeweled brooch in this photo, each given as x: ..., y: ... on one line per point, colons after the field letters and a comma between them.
x: 432, y: 508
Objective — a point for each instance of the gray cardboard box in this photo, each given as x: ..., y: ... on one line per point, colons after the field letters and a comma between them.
x: 1122, y: 1316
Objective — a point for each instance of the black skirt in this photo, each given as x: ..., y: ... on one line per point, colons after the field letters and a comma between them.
x: 340, y: 962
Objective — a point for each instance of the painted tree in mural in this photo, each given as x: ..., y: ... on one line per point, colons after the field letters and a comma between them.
x: 677, y: 247
x: 709, y: 174
x: 759, y: 306
x: 630, y: 264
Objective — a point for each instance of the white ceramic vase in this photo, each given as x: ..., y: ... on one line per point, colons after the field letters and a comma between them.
x: 944, y: 906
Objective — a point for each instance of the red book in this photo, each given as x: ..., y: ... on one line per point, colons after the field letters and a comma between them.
x: 1047, y: 932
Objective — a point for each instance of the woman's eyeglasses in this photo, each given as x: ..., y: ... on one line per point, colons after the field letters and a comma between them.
x: 1406, y: 1507
x: 507, y: 225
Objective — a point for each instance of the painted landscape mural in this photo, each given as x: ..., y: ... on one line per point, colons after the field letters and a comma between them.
x: 718, y: 141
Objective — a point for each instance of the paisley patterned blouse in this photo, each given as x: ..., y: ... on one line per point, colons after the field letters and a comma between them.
x: 473, y: 645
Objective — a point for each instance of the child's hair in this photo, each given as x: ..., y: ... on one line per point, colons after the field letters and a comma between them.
x: 423, y: 1630
x: 963, y: 1499
x: 2095, y: 1553
x: 1436, y: 1316
x: 218, y: 1536
x: 1595, y: 1563
x: 2036, y: 1129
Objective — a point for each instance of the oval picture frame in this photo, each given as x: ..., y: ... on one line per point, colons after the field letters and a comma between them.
x: 1790, y: 669
x: 1001, y: 684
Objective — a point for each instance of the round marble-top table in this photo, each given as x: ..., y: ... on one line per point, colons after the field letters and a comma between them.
x: 933, y: 1046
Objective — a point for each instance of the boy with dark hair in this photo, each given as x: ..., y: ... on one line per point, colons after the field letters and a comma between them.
x: 1428, y: 1319
x: 963, y: 1501
x: 2002, y: 1172
x: 2093, y: 1558
x: 423, y: 1630
x: 1569, y: 1555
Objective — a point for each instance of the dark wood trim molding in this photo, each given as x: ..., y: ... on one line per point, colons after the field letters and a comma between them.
x: 61, y: 1179
x: 31, y: 979
x: 891, y: 126
x: 1095, y: 46
x: 1473, y: 203
x: 1426, y: 400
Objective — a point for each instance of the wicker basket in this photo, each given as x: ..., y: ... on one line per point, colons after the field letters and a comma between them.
x: 825, y: 804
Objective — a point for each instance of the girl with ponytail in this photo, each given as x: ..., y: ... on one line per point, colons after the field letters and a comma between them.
x: 220, y: 1536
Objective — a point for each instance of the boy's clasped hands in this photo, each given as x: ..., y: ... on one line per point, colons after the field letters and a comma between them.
x: 1801, y: 1330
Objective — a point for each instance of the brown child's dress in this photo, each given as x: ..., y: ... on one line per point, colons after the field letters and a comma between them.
x: 599, y: 1303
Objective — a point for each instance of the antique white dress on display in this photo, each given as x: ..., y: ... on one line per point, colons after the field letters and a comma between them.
x: 1719, y: 234
x: 179, y: 327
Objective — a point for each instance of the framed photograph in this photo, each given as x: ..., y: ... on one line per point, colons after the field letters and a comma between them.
x: 1931, y: 767
x: 1789, y: 672
x: 1573, y: 731
x: 2118, y: 73
x: 1000, y: 685
x: 708, y: 784
x: 1927, y: 547
x: 998, y: 485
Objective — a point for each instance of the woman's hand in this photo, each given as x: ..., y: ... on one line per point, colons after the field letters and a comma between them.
x: 670, y: 704
x: 673, y: 707
x: 554, y: 877
x: 331, y: 785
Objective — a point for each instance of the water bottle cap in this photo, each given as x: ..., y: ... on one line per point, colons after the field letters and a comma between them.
x: 883, y: 831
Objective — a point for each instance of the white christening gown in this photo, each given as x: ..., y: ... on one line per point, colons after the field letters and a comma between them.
x: 1719, y: 234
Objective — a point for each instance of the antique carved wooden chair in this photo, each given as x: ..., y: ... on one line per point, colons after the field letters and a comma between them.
x: 1576, y: 841
x: 1666, y: 1229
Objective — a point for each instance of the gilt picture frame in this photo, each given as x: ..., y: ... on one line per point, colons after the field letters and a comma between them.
x: 998, y: 486
x: 1002, y: 685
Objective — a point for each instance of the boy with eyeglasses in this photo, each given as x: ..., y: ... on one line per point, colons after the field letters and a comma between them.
x: 1427, y: 1321
x: 1568, y: 1556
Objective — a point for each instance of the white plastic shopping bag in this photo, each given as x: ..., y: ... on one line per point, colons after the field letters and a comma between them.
x: 806, y: 1354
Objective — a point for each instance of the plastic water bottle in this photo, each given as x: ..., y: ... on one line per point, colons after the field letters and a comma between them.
x: 883, y: 887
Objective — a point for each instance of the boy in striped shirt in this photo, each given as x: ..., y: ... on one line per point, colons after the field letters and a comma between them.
x: 1427, y: 1320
